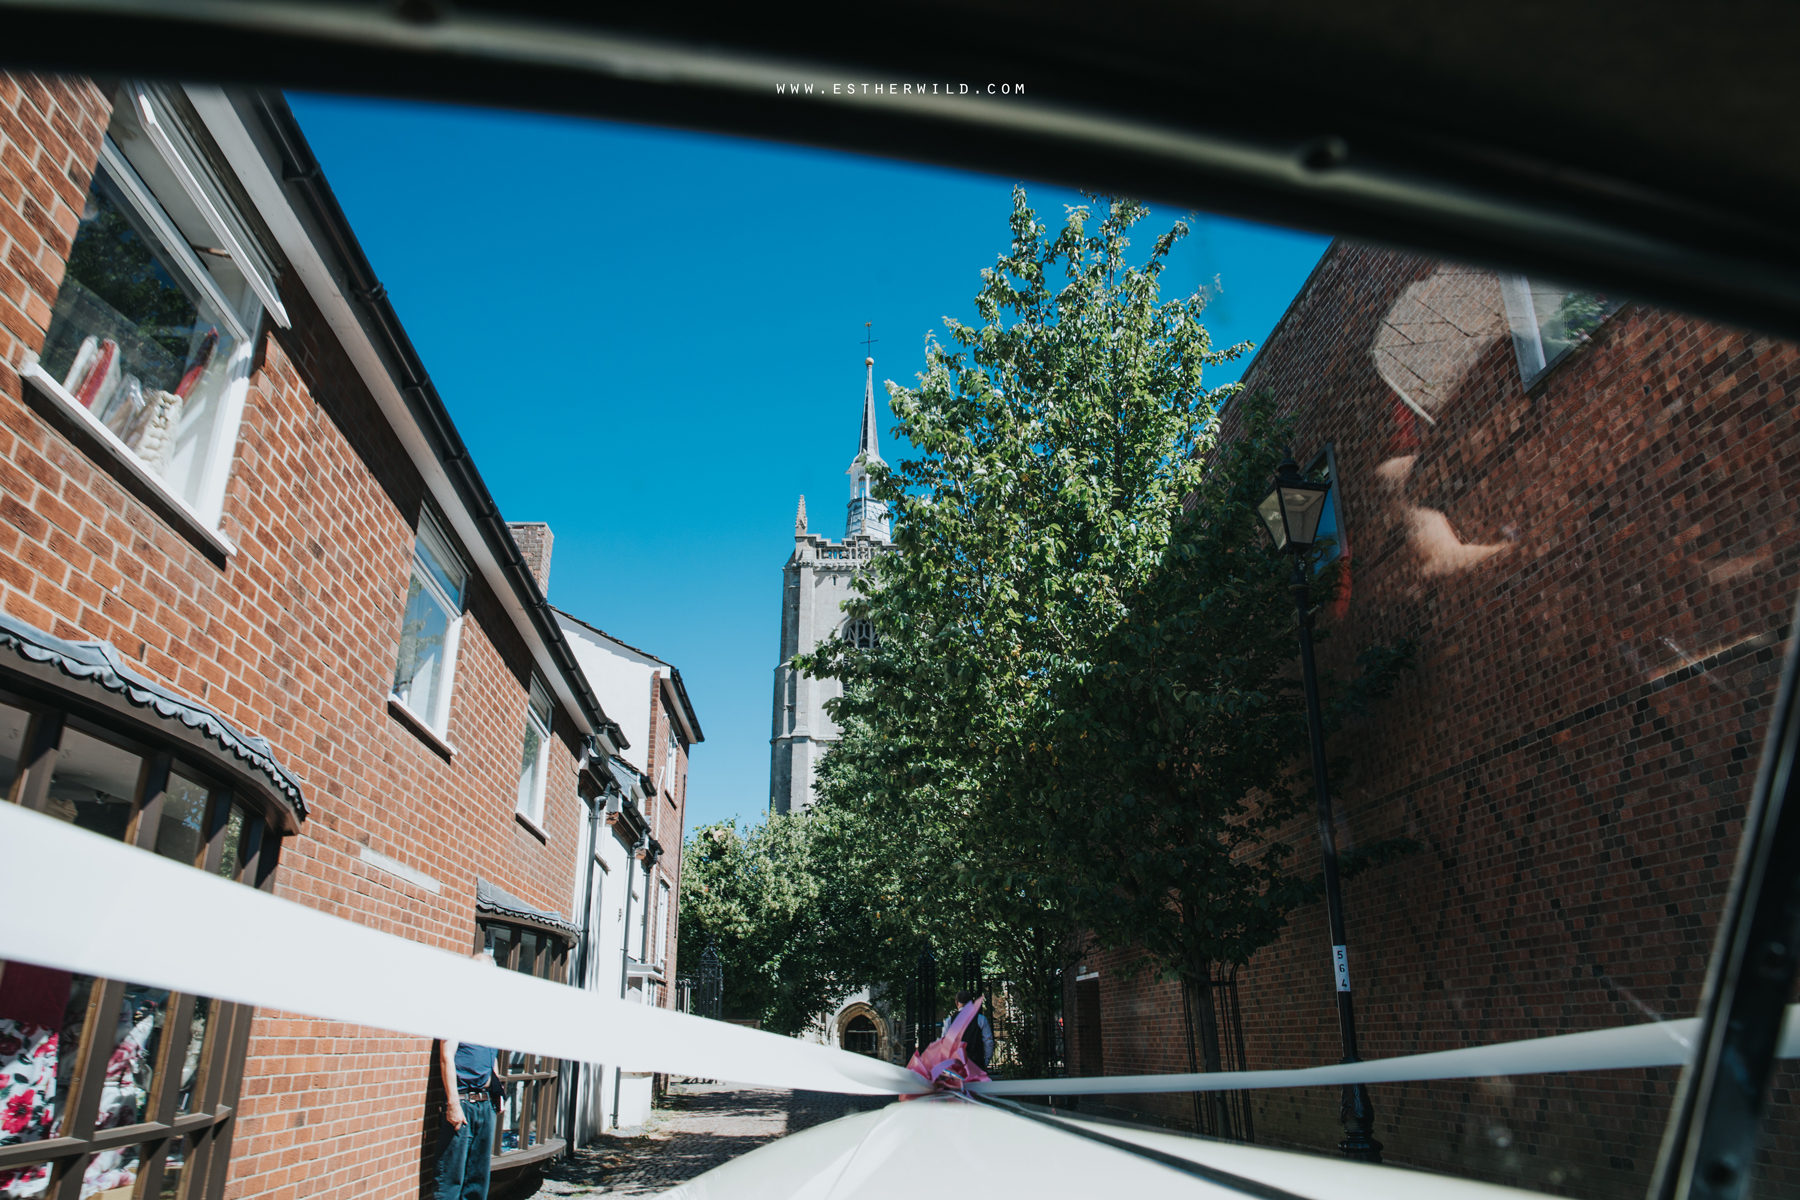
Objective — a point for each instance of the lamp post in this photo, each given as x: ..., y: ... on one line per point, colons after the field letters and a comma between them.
x: 1291, y: 511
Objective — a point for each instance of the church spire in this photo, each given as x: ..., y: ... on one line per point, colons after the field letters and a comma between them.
x: 868, y: 450
x: 868, y: 516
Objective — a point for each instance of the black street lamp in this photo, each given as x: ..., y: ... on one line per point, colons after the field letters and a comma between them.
x: 1291, y: 511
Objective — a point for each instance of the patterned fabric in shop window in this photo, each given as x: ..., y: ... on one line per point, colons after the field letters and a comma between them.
x: 125, y: 1092
x: 32, y: 1001
x: 27, y: 1099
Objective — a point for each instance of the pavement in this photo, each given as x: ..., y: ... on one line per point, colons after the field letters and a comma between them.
x: 697, y: 1127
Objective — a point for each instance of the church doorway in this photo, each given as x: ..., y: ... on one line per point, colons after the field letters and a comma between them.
x: 861, y: 1036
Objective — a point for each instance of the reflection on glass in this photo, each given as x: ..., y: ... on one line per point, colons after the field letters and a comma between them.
x: 172, y: 1167
x: 231, y: 856
x: 1548, y: 321
x: 134, y: 340
x: 433, y: 603
x: 499, y: 944
x: 13, y: 724
x: 181, y: 833
x: 528, y: 770
x: 112, y: 1173
x: 94, y: 784
x: 131, y: 1070
x: 74, y: 1030
x: 422, y: 642
x: 198, y: 1017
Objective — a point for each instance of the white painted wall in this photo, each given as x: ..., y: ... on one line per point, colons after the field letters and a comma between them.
x: 595, y: 1084
x: 620, y: 678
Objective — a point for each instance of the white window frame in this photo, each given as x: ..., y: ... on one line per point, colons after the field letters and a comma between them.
x: 1528, y: 331
x: 531, y: 806
x: 208, y: 507
x: 438, y: 720
x: 663, y: 894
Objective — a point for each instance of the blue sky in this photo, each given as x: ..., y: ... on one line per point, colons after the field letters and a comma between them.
x: 653, y: 341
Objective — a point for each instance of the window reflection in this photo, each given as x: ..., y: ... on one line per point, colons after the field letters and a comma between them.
x: 231, y: 856
x: 135, y: 341
x: 1548, y: 321
x: 198, y: 1016
x: 181, y: 831
x: 13, y: 724
x: 112, y: 1172
x: 94, y: 784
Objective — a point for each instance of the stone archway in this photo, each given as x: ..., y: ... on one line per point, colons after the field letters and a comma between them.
x: 884, y: 1047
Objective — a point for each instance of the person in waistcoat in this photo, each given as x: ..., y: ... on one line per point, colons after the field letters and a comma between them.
x: 978, y: 1035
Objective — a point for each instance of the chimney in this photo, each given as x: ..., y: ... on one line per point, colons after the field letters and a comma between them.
x: 534, y: 540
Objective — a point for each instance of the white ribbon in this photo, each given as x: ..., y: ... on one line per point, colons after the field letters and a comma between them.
x: 1659, y: 1044
x: 128, y: 914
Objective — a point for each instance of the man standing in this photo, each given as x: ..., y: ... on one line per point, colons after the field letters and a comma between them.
x: 466, y: 1137
x: 978, y: 1036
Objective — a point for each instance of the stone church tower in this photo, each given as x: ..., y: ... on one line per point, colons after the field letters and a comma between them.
x: 815, y: 584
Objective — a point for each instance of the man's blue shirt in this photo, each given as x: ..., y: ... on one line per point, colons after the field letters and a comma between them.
x: 474, y: 1067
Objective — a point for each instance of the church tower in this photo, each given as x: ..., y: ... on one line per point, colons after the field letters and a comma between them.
x: 815, y: 583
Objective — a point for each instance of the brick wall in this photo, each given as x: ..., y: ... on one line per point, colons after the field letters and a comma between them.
x: 294, y: 637
x: 1600, y: 575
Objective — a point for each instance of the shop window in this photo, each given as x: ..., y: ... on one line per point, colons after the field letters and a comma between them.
x: 1549, y: 322
x: 81, y: 1056
x: 431, y: 627
x: 152, y: 336
x: 529, y: 1117
x: 534, y: 761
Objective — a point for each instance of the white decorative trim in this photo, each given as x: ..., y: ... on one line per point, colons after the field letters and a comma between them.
x: 400, y: 870
x: 268, y: 195
x: 78, y: 412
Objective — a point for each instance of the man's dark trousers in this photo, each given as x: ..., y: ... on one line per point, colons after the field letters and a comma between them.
x: 465, y: 1153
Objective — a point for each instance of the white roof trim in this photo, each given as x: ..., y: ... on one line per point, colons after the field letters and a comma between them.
x: 270, y: 198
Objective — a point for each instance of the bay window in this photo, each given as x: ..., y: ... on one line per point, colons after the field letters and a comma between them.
x: 527, y: 1117
x: 430, y: 627
x: 110, y: 1087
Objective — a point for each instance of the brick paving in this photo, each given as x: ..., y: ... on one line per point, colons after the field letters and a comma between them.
x: 697, y: 1127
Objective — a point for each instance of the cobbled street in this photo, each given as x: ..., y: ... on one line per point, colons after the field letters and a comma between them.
x: 698, y: 1127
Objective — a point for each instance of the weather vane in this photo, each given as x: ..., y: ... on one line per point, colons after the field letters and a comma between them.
x: 868, y: 338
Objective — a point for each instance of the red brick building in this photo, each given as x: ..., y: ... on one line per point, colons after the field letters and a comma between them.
x: 260, y: 614
x: 1583, y: 512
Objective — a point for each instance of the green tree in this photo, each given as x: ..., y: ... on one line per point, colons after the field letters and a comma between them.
x: 1080, y: 711
x: 791, y: 922
x: 1174, y: 753
x: 1058, y: 440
